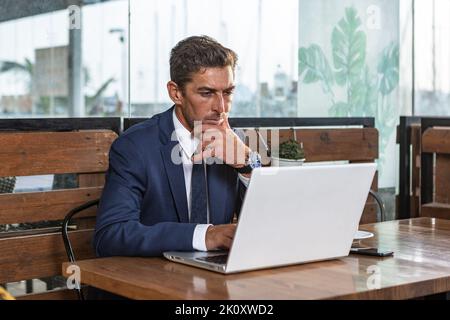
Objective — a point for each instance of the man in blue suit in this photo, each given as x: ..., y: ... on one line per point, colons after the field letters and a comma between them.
x: 162, y: 191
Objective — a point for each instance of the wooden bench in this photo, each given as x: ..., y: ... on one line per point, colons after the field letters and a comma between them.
x: 39, y: 253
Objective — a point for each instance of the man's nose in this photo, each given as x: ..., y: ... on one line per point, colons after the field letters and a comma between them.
x: 219, y: 105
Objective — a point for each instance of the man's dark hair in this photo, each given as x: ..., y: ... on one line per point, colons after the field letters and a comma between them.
x: 195, y: 53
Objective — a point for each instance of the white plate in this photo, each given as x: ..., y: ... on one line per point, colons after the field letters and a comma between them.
x: 359, y: 235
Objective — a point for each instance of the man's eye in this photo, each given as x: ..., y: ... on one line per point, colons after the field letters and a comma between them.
x: 205, y: 94
x: 228, y: 93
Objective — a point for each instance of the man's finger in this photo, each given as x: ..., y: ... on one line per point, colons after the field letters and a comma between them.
x: 226, y: 243
x: 211, y: 135
x: 211, y: 128
x: 206, y: 143
x: 208, y: 153
x: 225, y: 123
x: 230, y: 231
x: 213, y: 122
x: 199, y: 129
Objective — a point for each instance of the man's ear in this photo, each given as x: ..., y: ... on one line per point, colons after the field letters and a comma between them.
x: 175, y: 93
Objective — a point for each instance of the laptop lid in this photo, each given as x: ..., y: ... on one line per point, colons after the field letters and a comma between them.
x: 299, y: 214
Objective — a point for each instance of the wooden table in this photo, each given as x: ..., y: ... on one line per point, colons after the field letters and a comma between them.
x: 420, y: 267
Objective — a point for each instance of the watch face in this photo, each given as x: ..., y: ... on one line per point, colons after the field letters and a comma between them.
x: 254, y: 160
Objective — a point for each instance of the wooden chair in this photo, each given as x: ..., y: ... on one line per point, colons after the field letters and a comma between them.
x: 435, y: 184
x: 424, y: 174
x: 39, y: 253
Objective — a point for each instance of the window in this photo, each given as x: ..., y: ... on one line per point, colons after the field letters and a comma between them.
x: 263, y: 34
x: 432, y: 58
x: 33, y: 72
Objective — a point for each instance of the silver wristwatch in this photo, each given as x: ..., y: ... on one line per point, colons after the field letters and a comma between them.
x: 253, y: 161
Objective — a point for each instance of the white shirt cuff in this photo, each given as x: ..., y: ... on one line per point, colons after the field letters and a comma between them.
x: 244, y: 180
x: 199, y: 238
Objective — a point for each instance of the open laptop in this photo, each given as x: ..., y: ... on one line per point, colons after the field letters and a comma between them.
x: 292, y: 215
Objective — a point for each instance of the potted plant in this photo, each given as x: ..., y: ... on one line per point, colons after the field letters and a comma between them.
x: 290, y: 153
x: 7, y: 184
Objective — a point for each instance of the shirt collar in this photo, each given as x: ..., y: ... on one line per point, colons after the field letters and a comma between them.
x: 187, y: 142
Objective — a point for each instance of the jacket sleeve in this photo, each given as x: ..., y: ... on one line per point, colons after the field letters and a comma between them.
x: 119, y: 231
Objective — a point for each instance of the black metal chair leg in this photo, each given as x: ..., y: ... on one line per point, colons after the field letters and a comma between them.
x: 65, y: 236
x: 380, y: 204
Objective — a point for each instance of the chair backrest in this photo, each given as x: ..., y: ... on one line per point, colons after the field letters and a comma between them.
x: 424, y: 167
x: 435, y: 184
x: 353, y: 144
x: 32, y: 254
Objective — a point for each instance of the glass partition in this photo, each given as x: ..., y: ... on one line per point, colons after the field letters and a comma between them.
x: 262, y: 33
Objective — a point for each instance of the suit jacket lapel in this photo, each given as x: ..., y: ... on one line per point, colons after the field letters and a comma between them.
x: 175, y: 175
x: 173, y: 164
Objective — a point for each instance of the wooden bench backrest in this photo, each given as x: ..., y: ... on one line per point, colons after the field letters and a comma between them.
x: 355, y: 145
x: 84, y: 152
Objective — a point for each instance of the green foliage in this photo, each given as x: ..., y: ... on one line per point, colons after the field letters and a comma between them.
x: 367, y: 92
x: 291, y: 150
x: 388, y: 69
x: 369, y: 105
x: 349, y: 48
x: 314, y: 64
x: 27, y: 67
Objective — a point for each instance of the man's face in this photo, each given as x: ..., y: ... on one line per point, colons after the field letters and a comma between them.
x: 207, y: 96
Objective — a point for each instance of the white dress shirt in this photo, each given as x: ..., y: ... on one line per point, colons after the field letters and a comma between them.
x: 188, y: 145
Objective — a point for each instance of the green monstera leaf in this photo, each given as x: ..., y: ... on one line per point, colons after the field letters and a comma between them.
x: 356, y: 94
x: 371, y: 94
x: 388, y: 69
x: 363, y: 95
x: 315, y: 67
x: 349, y: 48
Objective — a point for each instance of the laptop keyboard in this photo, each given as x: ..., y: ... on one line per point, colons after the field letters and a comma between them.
x: 219, y: 259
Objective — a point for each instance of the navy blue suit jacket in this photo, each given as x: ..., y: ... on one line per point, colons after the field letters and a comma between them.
x: 143, y: 209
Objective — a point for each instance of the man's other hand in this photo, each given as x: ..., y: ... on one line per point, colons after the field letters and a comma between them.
x: 220, y: 237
